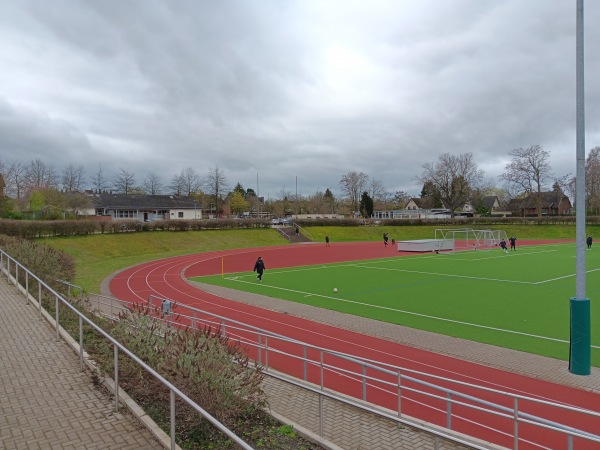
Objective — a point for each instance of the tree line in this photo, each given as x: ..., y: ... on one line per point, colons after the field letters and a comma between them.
x: 451, y: 181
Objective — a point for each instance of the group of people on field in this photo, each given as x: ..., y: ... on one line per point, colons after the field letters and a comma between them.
x: 513, y: 244
x: 259, y: 265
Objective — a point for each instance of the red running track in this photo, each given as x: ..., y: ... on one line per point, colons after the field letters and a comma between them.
x: 166, y: 278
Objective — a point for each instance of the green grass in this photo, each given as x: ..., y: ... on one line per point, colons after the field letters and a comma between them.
x: 99, y: 256
x: 518, y: 301
x: 532, y: 309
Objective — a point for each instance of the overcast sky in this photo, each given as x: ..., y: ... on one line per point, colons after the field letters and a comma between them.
x: 294, y: 93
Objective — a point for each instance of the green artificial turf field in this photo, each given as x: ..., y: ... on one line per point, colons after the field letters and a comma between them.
x: 518, y: 300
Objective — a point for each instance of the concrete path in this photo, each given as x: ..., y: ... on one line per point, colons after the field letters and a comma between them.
x: 46, y: 402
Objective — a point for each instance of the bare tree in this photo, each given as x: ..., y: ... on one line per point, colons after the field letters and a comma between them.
x: 453, y: 177
x: 124, y: 182
x: 153, y: 184
x: 72, y: 178
x: 40, y: 175
x: 192, y: 181
x: 592, y: 180
x: 529, y: 169
x: 353, y: 184
x: 215, y: 184
x: 99, y: 181
x: 376, y: 190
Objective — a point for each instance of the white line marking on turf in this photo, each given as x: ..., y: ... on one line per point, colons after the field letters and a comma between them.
x: 447, y: 275
x: 387, y: 308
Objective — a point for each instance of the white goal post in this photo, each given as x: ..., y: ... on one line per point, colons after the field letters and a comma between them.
x: 469, y: 238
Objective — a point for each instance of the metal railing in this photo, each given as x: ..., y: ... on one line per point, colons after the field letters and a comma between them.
x: 17, y: 273
x: 322, y: 367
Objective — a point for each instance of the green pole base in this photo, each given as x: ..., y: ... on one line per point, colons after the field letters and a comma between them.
x: 580, y: 351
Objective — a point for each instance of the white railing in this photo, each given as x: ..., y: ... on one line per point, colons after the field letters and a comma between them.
x: 277, y: 352
x: 18, y: 274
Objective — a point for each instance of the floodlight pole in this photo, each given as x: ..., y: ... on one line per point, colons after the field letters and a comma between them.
x: 580, y: 338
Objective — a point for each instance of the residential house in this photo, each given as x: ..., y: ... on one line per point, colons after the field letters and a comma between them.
x: 553, y: 203
x: 144, y: 207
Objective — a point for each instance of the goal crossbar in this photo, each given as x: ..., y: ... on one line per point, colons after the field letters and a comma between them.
x: 470, y: 238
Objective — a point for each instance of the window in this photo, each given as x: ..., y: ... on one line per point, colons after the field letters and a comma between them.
x: 125, y: 214
x: 180, y: 214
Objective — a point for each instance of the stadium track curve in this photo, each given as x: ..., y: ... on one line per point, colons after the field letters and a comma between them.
x: 166, y: 278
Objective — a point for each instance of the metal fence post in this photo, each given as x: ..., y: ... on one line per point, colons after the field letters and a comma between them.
x: 364, y: 383
x: 305, y: 363
x: 516, y: 420
x: 27, y: 287
x: 56, y: 317
x: 172, y: 404
x: 116, y: 376
x: 259, y: 348
x: 267, y: 352
x: 321, y: 415
x: 399, y: 393
x: 81, y: 343
x: 40, y: 298
x: 321, y: 369
x: 449, y: 412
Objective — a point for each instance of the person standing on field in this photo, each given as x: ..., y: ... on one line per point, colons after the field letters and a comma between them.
x: 513, y: 243
x: 327, y: 240
x: 588, y: 241
x: 259, y: 268
x: 503, y: 246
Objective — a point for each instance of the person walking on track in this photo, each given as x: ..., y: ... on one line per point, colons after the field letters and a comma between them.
x: 259, y: 268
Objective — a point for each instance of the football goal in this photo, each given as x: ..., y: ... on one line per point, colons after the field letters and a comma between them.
x: 469, y: 238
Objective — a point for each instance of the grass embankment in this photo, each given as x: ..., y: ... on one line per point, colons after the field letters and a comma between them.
x: 99, y: 256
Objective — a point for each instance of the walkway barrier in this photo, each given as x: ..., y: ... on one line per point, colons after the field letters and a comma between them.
x: 24, y: 281
x: 454, y: 403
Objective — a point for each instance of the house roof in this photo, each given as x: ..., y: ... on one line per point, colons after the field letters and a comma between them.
x: 549, y: 199
x: 489, y: 201
x: 143, y: 201
x: 424, y: 202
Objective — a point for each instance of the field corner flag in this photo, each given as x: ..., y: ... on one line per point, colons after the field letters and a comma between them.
x: 580, y: 350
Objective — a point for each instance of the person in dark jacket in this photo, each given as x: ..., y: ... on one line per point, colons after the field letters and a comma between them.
x: 259, y: 268
x: 588, y: 241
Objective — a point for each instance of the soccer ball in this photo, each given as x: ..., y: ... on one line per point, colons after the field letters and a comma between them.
x: 334, y: 289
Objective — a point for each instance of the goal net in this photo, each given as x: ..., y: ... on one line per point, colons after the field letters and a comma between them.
x: 469, y: 238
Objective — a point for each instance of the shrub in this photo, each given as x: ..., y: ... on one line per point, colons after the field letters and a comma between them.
x: 48, y: 264
x: 212, y: 370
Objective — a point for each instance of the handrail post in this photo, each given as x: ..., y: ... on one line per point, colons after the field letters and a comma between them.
x: 259, y: 348
x: 321, y: 369
x: 194, y: 322
x: 449, y: 412
x: 56, y: 317
x: 27, y: 287
x: 172, y: 406
x: 267, y: 352
x: 516, y: 424
x: 81, y: 343
x: 321, y: 409
x: 116, y: 376
x: 364, y: 383
x: 305, y: 363
x: 399, y: 394
x: 40, y: 298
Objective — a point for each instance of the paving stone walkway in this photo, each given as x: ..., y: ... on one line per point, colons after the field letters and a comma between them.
x: 46, y: 402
